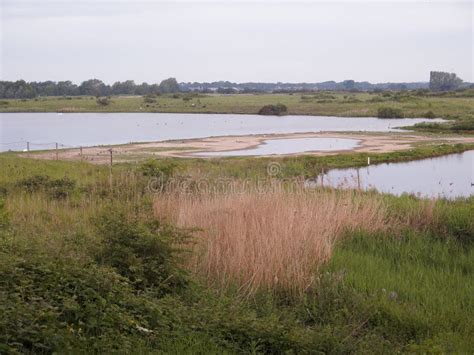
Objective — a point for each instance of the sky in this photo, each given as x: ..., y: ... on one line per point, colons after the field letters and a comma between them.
x: 241, y: 41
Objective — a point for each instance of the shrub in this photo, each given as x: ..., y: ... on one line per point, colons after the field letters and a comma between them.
x: 103, y: 101
x: 144, y: 253
x: 160, y: 172
x: 149, y: 99
x: 3, y: 216
x: 429, y: 114
x: 389, y: 112
x: 55, y: 188
x: 49, y: 307
x: 273, y: 110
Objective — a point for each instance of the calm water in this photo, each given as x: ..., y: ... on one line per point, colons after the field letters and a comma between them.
x: 88, y: 129
x: 289, y: 146
x: 449, y: 176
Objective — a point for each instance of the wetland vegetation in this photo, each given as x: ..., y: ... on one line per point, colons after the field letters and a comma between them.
x: 94, y: 264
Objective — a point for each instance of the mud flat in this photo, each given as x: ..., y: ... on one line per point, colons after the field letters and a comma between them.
x: 202, y: 147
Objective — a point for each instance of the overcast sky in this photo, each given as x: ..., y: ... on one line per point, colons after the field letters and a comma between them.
x: 290, y: 41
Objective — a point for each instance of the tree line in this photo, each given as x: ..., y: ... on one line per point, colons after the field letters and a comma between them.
x: 21, y: 89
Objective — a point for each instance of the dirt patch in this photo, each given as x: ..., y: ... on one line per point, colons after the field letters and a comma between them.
x: 191, y: 148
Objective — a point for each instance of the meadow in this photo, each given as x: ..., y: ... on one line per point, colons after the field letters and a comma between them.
x: 411, y: 104
x: 143, y: 263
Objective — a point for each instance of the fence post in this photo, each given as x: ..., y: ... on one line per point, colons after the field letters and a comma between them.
x: 110, y: 168
x: 358, y: 180
x: 80, y: 149
x: 57, y: 157
x: 28, y: 149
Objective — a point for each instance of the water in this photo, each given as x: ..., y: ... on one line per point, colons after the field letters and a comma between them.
x: 89, y: 129
x: 449, y: 176
x: 290, y: 146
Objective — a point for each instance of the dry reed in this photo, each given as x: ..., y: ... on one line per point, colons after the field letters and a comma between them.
x: 274, y: 240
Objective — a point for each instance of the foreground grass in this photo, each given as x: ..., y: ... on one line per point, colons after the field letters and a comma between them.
x: 87, y: 268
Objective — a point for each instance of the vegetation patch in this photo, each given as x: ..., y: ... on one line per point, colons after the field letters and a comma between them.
x: 389, y: 112
x: 273, y: 110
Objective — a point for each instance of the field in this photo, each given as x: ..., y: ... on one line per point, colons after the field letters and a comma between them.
x: 99, y: 264
x: 322, y: 103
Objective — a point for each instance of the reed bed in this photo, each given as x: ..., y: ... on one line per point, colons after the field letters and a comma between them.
x: 272, y: 241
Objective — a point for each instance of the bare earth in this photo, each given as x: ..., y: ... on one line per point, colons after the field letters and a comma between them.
x: 369, y: 142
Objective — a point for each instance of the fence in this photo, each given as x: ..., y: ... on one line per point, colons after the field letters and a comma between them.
x: 67, y: 152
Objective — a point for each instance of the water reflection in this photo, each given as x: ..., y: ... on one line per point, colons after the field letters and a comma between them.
x: 449, y: 176
x: 290, y: 146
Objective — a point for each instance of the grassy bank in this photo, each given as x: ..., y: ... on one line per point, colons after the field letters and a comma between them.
x: 322, y: 103
x: 86, y: 266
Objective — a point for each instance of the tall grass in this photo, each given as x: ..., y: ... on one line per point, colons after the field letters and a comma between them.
x: 272, y: 241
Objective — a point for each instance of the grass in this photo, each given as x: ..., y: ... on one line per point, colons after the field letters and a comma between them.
x: 273, y: 241
x: 333, y: 104
x: 92, y: 270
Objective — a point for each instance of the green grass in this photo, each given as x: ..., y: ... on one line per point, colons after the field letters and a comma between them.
x: 77, y: 273
x: 422, y: 286
x: 332, y: 104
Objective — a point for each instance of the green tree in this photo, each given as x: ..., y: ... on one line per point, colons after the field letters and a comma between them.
x: 169, y: 85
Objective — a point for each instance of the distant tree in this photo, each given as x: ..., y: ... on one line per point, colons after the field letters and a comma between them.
x: 123, y: 88
x: 169, y: 85
x: 19, y: 89
x: 348, y: 84
x: 226, y: 91
x: 93, y: 87
x: 66, y: 88
x: 441, y: 81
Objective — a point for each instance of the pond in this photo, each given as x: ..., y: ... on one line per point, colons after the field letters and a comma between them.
x: 448, y: 176
x: 43, y: 130
x: 289, y: 146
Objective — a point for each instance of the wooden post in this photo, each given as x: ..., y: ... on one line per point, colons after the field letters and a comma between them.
x: 28, y: 148
x: 358, y: 180
x: 80, y: 150
x: 110, y: 169
x: 57, y: 157
x: 322, y: 178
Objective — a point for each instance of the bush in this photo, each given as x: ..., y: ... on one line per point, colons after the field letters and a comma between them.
x: 103, y: 101
x: 149, y: 99
x: 429, y: 114
x: 3, y: 217
x: 144, y: 253
x: 49, y: 307
x: 55, y: 188
x: 159, y: 171
x: 273, y: 110
x: 389, y: 112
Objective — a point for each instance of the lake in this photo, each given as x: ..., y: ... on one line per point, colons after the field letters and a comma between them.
x: 289, y: 146
x: 43, y: 130
x: 448, y: 176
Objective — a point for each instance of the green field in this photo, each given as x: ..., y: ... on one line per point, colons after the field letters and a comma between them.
x: 324, y: 103
x: 85, y: 266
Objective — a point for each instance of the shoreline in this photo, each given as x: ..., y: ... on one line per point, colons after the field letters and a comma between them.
x: 369, y: 142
